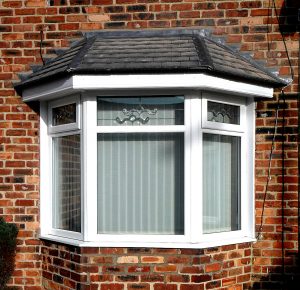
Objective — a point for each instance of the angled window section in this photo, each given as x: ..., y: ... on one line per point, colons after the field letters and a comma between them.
x: 150, y: 143
x: 66, y: 175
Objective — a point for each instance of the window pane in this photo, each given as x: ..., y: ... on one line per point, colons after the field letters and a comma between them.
x: 223, y: 113
x: 221, y: 183
x: 67, y: 183
x: 140, y: 111
x: 140, y: 183
x: 64, y: 115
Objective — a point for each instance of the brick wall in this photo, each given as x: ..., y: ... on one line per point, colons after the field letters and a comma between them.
x: 243, y: 23
x: 226, y: 267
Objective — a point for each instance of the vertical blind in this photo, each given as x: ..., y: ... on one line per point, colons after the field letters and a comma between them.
x: 140, y: 183
x: 221, y: 183
x: 67, y: 183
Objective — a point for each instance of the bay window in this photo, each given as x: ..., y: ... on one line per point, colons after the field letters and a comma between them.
x: 149, y: 170
x: 148, y: 143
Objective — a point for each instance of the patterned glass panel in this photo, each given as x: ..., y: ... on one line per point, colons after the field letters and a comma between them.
x: 64, y: 115
x: 140, y: 111
x: 223, y: 113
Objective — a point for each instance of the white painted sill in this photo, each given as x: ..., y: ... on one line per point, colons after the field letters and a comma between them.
x: 203, y: 245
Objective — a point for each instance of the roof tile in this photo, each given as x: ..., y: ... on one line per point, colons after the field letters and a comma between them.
x: 160, y: 51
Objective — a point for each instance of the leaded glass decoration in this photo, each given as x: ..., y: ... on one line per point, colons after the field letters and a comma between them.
x: 223, y: 113
x: 63, y: 115
x: 140, y: 111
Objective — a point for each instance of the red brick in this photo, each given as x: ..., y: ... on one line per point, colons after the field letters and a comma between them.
x: 165, y: 287
x: 165, y: 268
x: 191, y: 287
x: 201, y: 278
x: 213, y: 267
x: 112, y: 286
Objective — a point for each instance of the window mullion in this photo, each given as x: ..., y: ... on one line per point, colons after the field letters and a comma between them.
x: 89, y: 168
x: 45, y: 181
x: 195, y: 169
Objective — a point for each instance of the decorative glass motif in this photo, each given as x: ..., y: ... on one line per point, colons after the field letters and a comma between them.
x: 149, y: 111
x: 223, y: 113
x: 136, y: 115
x: 64, y: 115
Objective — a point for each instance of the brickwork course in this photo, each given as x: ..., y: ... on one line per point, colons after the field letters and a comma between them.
x: 269, y: 263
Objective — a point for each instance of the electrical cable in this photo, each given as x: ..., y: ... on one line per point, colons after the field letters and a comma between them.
x: 258, y: 236
x: 283, y: 173
x: 283, y: 190
x: 284, y: 43
x: 275, y: 125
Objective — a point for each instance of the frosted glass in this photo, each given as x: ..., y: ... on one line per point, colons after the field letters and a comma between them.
x: 67, y: 183
x: 64, y: 115
x: 223, y: 113
x: 140, y: 111
x: 140, y: 183
x: 221, y: 183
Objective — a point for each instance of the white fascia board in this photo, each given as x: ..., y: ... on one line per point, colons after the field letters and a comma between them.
x: 108, y: 83
x: 169, y: 81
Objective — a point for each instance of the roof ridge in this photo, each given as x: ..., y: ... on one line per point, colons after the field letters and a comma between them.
x: 199, y: 45
x: 80, y: 55
x: 247, y: 58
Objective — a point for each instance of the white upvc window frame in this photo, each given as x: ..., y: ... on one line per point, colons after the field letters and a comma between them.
x: 53, y: 132
x: 195, y: 125
x: 245, y: 131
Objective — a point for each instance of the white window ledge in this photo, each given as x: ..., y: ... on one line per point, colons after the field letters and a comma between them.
x: 202, y: 245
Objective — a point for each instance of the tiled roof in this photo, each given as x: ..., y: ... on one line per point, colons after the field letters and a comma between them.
x: 158, y: 51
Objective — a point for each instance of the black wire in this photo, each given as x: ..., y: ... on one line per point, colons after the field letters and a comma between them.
x: 283, y: 190
x: 41, y: 46
x: 269, y: 170
x: 284, y: 42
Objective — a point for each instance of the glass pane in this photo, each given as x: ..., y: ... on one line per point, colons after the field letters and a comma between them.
x: 221, y: 183
x: 223, y: 113
x: 67, y: 183
x: 140, y: 183
x: 140, y: 111
x: 64, y: 115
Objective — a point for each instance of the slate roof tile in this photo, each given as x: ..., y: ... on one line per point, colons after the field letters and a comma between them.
x: 159, y: 51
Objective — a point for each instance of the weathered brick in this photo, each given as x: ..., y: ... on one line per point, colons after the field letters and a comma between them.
x: 152, y: 259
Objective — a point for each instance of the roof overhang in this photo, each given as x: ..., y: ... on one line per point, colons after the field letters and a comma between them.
x: 108, y: 85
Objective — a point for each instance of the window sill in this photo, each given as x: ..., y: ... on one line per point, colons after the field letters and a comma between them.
x: 202, y: 245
